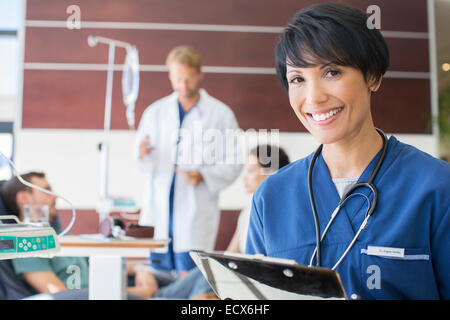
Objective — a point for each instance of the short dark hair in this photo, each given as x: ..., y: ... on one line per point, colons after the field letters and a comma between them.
x: 13, y: 186
x: 270, y: 157
x: 331, y: 33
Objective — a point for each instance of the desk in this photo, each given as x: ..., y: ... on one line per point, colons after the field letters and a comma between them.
x: 107, y: 274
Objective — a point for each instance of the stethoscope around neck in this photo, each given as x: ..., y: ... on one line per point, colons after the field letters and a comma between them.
x: 347, y: 195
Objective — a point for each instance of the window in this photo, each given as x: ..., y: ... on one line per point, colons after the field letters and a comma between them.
x: 6, y: 148
x: 10, y: 23
x: 8, y: 65
x: 10, y: 14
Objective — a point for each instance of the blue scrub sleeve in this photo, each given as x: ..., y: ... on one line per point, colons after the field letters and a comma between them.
x: 440, y: 249
x: 255, y: 237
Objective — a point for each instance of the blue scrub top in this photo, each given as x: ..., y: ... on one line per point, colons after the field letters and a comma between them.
x: 412, y: 213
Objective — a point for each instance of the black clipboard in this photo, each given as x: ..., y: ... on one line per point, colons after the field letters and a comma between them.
x: 256, y: 277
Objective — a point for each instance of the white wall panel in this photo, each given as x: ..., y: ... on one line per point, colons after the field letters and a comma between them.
x: 71, y: 160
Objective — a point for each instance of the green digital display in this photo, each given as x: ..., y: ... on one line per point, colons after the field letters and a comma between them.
x: 6, y: 244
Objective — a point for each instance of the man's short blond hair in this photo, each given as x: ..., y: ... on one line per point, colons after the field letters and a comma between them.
x: 185, y: 55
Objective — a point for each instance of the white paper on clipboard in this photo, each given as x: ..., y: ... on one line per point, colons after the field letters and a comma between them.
x: 255, y: 277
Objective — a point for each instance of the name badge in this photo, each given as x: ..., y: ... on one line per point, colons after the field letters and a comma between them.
x: 386, y: 251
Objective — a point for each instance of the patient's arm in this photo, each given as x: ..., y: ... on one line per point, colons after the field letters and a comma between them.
x: 44, y: 281
x: 145, y: 283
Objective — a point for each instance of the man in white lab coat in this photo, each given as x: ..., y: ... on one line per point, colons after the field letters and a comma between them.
x: 186, y: 147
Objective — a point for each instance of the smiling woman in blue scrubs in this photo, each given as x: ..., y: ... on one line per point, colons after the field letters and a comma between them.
x: 330, y: 63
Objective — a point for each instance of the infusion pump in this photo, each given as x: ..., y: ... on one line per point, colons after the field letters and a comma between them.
x: 21, y: 240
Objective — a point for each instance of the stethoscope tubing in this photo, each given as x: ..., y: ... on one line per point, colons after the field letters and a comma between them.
x: 371, y: 208
x: 333, y: 215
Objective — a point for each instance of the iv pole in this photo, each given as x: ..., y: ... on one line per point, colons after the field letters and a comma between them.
x: 105, y: 203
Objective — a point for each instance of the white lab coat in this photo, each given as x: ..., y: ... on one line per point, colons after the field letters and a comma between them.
x: 196, y: 214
